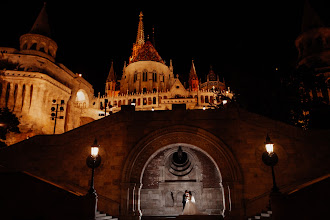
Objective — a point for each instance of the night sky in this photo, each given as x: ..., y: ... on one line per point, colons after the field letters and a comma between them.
x: 243, y: 41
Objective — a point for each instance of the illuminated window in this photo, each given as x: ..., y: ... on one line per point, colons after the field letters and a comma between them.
x: 80, y: 96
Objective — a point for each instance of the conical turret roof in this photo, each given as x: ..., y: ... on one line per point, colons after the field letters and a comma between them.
x: 310, y: 18
x: 41, y: 25
x: 111, y: 76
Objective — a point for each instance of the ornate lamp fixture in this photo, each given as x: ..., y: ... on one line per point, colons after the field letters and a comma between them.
x: 270, y: 158
x: 93, y: 161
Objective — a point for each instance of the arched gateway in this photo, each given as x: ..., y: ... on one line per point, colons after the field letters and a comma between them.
x: 192, y: 138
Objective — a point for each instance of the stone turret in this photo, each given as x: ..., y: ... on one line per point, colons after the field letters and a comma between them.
x: 38, y: 41
x: 110, y: 84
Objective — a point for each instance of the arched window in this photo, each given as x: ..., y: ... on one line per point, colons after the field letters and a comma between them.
x: 42, y: 49
x: 154, y: 100
x: 211, y: 99
x: 144, y: 90
x: 15, y: 95
x: 149, y: 101
x: 33, y: 46
x: 206, y: 99
x: 202, y: 99
x: 31, y: 93
x: 119, y: 103
x: 154, y: 77
x: 135, y: 76
x: 7, y: 94
x: 154, y: 90
x: 145, y: 75
x: 144, y: 101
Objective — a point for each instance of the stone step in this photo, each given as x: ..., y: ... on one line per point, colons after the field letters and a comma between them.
x: 101, y: 216
x: 184, y: 217
x: 265, y: 215
x: 104, y: 218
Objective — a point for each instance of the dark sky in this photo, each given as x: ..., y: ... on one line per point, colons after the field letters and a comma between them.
x: 243, y: 41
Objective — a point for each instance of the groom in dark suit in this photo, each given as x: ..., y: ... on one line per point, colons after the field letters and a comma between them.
x: 184, y: 199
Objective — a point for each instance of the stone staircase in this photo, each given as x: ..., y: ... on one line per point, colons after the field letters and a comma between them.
x: 184, y: 217
x: 100, y: 216
x: 263, y: 215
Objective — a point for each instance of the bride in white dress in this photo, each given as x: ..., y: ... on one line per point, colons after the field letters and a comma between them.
x: 190, y: 207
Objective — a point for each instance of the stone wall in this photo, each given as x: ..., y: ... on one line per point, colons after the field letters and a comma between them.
x: 233, y: 138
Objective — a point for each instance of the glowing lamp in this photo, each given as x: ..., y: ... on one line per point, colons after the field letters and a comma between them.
x: 224, y: 101
x: 95, y: 149
x: 269, y: 145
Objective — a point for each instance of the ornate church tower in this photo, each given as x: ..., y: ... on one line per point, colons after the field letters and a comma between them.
x: 38, y: 41
x: 110, y: 84
x: 139, y: 38
x: 314, y: 55
x: 193, y: 79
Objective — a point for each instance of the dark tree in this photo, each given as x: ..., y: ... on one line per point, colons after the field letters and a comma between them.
x: 8, y: 123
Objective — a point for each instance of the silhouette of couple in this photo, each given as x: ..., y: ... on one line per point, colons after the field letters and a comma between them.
x: 189, y: 205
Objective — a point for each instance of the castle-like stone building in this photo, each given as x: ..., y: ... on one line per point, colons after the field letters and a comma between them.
x: 148, y: 158
x: 313, y: 45
x: 149, y: 84
x: 33, y: 83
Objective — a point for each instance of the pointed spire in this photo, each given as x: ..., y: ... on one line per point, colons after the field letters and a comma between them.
x: 41, y: 25
x: 192, y: 73
x: 111, y: 76
x: 310, y: 18
x: 193, y: 79
x: 140, y: 32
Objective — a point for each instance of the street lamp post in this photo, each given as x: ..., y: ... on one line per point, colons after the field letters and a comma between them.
x: 93, y: 161
x: 270, y: 158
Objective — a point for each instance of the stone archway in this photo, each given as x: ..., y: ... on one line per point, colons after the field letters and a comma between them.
x: 166, y: 177
x: 145, y: 149
x: 81, y: 99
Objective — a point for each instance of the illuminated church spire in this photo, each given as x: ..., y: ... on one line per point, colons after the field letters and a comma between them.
x: 139, y: 38
x: 193, y: 79
x: 140, y: 32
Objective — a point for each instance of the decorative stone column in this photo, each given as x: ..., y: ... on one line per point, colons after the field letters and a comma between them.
x: 26, y: 100
x: 137, y: 205
x: 11, y: 97
x: 131, y: 201
x: 18, y: 101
